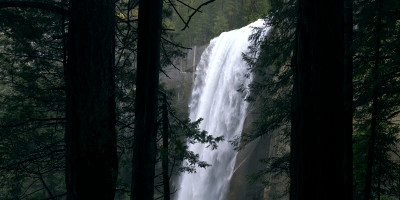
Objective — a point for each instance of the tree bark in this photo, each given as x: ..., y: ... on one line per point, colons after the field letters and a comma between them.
x: 375, y: 103
x: 379, y: 179
x: 348, y: 99
x: 148, y: 64
x: 317, y: 136
x: 91, y: 168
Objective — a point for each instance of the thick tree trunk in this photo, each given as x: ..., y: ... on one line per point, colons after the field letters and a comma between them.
x: 148, y: 64
x: 348, y: 99
x: 91, y: 168
x: 318, y: 119
x: 375, y: 102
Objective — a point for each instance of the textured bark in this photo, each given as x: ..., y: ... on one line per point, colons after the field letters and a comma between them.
x: 348, y: 99
x: 91, y: 168
x: 148, y: 64
x: 317, y: 142
x: 375, y: 102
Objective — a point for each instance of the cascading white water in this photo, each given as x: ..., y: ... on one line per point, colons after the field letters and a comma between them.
x: 215, y: 98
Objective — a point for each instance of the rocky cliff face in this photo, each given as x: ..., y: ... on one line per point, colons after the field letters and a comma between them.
x: 181, y: 79
x: 247, y: 161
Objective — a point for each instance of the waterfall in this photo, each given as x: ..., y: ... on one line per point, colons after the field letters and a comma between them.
x: 215, y: 98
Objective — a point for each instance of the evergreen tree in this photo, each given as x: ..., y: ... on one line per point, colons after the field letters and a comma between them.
x: 148, y: 65
x: 43, y: 86
x: 91, y: 156
x: 33, y: 99
x: 269, y: 86
x: 376, y: 99
x: 317, y: 135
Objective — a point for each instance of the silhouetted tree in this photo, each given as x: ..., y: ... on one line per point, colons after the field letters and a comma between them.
x: 148, y: 66
x: 91, y: 169
x: 375, y: 103
x: 317, y: 136
x: 348, y: 99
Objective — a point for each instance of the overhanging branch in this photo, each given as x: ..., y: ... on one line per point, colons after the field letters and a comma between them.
x: 194, y: 12
x: 33, y: 4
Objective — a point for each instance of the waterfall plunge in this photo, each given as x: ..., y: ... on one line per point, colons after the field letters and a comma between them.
x: 220, y: 73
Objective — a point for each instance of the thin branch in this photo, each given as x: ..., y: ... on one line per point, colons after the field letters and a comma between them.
x: 166, y: 55
x: 45, y: 185
x: 395, y: 153
x: 173, y: 6
x: 33, y: 4
x: 31, y: 193
x: 125, y: 125
x: 35, y: 157
x: 189, y: 6
x: 30, y: 56
x: 122, y: 190
x: 167, y: 29
x: 125, y: 45
x: 172, y: 113
x: 177, y: 118
x: 31, y: 120
x: 194, y: 12
x: 57, y: 37
x: 164, y: 73
x: 28, y: 188
x: 177, y: 45
x: 120, y: 20
x: 57, y: 196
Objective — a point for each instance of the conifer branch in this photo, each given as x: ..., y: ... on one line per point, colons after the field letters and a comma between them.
x: 33, y: 4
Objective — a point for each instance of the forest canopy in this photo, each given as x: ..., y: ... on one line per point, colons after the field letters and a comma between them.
x: 83, y: 114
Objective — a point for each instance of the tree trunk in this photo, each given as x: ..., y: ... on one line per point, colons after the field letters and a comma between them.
x: 165, y: 159
x: 148, y: 64
x: 318, y: 118
x: 379, y: 179
x: 91, y: 168
x: 375, y: 102
x: 348, y: 99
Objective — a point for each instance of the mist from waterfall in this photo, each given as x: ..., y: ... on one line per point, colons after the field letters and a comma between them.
x: 215, y: 98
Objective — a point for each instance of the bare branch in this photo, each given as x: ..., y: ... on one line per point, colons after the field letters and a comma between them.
x: 177, y: 45
x: 166, y: 55
x: 164, y: 73
x: 194, y: 12
x: 125, y: 125
x: 173, y: 6
x: 189, y: 6
x: 168, y: 29
x: 45, y: 185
